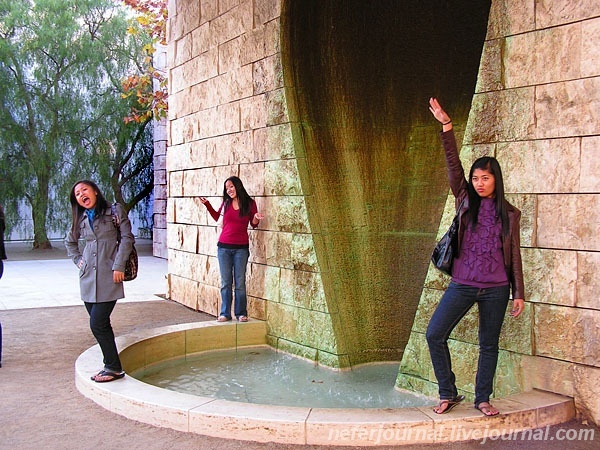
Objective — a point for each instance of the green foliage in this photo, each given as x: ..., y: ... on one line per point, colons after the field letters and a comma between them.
x: 61, y: 109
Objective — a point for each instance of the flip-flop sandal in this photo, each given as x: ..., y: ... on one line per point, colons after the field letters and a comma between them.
x: 111, y: 376
x: 486, y: 409
x: 93, y: 377
x: 243, y: 319
x: 452, y: 403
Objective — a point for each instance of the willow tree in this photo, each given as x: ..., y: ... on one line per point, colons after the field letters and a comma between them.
x: 61, y: 106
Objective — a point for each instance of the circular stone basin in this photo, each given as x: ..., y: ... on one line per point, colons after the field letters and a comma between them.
x: 263, y: 375
x: 300, y: 425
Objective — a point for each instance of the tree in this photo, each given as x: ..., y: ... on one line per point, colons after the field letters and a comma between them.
x: 61, y: 110
x: 149, y: 88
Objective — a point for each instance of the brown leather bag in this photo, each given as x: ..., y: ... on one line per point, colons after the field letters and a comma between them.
x: 131, y: 266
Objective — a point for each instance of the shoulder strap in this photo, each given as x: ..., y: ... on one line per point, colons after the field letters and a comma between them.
x: 113, y: 210
x: 116, y: 222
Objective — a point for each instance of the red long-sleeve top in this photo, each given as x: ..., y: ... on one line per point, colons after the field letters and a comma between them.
x: 235, y: 228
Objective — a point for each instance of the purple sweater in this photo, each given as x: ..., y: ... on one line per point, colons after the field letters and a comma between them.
x: 481, y: 261
x: 511, y: 245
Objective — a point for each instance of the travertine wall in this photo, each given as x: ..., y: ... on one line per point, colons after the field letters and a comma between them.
x: 159, y: 212
x: 159, y: 230
x: 228, y: 116
x: 535, y: 108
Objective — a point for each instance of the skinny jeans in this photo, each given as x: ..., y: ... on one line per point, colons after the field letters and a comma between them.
x: 455, y: 303
x: 232, y: 265
x: 103, y: 332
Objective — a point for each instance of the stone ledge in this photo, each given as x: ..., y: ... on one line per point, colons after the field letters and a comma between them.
x: 301, y: 425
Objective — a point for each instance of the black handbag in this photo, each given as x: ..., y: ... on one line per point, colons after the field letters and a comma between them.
x: 131, y: 265
x: 444, y: 252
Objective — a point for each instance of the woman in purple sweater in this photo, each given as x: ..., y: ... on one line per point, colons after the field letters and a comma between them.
x: 487, y: 267
x: 238, y: 210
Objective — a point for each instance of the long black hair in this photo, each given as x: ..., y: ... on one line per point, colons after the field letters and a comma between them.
x: 78, y: 210
x: 240, y: 191
x: 491, y: 165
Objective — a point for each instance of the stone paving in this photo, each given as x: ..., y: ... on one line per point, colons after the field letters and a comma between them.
x: 45, y: 331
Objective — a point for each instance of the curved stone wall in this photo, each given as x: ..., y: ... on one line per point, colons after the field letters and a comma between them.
x: 535, y: 107
x: 536, y: 110
x: 358, y: 77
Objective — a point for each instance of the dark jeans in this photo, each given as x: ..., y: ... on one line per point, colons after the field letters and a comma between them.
x: 103, y: 332
x: 455, y: 303
x: 232, y: 265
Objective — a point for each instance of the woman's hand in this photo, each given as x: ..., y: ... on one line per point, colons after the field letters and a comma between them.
x: 118, y: 277
x: 439, y: 113
x: 518, y: 307
x: 257, y: 218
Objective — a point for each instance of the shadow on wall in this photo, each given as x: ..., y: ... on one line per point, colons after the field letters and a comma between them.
x: 359, y: 76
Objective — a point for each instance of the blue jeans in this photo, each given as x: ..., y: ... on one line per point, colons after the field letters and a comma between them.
x: 455, y: 303
x: 232, y: 265
x: 103, y: 332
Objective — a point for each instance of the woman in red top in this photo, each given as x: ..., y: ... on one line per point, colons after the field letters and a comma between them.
x: 238, y: 210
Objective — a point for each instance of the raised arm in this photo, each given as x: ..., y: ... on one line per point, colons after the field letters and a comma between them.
x: 440, y: 115
x: 214, y: 214
x: 456, y: 174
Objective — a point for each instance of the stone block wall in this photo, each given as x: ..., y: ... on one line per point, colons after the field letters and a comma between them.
x: 159, y: 230
x: 537, y: 110
x: 228, y: 116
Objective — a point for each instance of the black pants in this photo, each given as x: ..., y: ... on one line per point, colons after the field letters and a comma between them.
x: 103, y: 332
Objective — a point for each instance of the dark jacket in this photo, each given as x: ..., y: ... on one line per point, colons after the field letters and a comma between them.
x: 511, y: 246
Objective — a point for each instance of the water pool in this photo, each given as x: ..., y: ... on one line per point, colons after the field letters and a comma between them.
x: 262, y: 375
